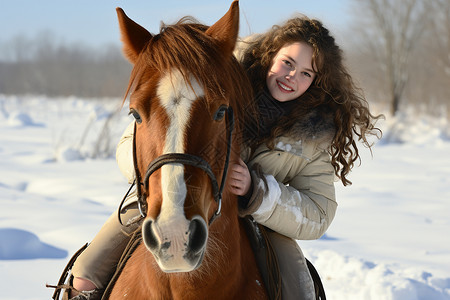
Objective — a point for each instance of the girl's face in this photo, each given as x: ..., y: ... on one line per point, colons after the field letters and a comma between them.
x: 291, y: 73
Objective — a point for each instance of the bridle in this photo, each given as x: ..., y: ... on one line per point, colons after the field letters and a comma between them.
x: 184, y: 159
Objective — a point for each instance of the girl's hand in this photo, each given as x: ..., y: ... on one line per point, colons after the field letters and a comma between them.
x: 240, y: 179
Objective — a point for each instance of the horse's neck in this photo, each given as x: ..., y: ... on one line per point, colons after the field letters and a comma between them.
x: 228, y: 245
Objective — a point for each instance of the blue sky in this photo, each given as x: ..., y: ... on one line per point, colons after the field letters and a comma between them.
x: 94, y: 22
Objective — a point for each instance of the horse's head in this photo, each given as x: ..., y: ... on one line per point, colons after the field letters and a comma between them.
x: 184, y: 81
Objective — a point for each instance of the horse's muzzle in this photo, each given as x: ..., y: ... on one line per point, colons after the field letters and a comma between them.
x: 178, y: 245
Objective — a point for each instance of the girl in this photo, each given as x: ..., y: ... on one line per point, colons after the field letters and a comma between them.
x: 310, y: 115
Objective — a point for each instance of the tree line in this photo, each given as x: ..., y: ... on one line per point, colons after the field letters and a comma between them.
x: 44, y: 65
x: 398, y: 50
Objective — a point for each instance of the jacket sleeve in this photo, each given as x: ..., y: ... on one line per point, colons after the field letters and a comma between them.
x: 124, y: 153
x: 303, y: 208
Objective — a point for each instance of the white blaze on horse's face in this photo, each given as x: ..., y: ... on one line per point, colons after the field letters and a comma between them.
x: 172, y: 229
x: 177, y: 97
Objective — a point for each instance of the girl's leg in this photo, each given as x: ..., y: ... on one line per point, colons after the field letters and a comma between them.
x: 296, y: 281
x: 96, y: 265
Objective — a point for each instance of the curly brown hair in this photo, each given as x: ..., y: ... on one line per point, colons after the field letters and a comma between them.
x: 333, y: 88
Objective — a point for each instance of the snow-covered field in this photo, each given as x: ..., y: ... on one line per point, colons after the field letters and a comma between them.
x: 389, y: 240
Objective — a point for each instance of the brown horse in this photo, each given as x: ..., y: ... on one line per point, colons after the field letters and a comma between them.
x: 183, y: 85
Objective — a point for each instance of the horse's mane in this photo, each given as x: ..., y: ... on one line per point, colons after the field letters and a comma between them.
x: 185, y: 46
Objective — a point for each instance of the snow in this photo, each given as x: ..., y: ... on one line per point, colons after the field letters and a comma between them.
x: 267, y: 206
x: 389, y: 240
x: 26, y: 245
x: 283, y: 146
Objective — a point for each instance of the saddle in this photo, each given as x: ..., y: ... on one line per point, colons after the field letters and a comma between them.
x: 268, y: 262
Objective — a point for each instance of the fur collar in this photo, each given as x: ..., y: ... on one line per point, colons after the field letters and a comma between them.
x: 309, y: 122
x: 314, y: 124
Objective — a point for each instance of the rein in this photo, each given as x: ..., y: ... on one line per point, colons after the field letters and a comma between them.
x: 184, y: 159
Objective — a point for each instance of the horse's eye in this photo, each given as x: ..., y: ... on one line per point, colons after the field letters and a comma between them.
x: 220, y: 113
x: 136, y: 116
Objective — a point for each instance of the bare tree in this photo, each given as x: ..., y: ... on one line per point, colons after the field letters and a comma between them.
x: 391, y: 29
x: 441, y: 29
x: 439, y: 42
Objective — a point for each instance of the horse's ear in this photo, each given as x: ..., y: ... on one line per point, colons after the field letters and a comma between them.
x: 134, y: 36
x: 225, y: 31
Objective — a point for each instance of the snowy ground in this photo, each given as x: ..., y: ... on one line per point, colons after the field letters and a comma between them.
x: 389, y: 240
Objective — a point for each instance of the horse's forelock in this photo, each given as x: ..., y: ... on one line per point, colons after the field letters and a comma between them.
x: 196, y: 54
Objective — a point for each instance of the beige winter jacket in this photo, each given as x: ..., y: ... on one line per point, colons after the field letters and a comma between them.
x: 293, y: 188
x: 124, y: 153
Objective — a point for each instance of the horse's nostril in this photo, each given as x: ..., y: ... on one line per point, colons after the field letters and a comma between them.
x: 149, y: 236
x: 198, y: 235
